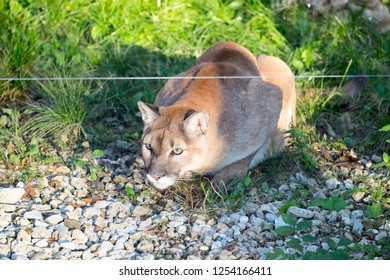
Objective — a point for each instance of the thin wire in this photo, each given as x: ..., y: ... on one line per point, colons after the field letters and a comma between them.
x: 190, y: 78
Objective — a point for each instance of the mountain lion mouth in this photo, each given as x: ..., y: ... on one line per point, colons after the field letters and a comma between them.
x: 162, y: 183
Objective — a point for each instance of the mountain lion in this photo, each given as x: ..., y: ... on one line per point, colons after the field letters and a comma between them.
x: 218, y: 127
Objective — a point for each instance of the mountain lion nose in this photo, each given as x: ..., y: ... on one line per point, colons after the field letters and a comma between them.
x: 156, y: 177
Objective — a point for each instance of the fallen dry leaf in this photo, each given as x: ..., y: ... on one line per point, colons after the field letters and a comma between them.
x: 91, y: 200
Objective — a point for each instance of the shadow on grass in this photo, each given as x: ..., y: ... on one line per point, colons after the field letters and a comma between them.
x: 115, y: 116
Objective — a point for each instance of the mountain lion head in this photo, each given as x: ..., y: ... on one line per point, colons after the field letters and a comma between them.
x: 173, y: 142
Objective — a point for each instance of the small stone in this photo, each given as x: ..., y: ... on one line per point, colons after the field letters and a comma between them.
x: 66, y: 244
x: 78, y: 183
x: 270, y: 217
x: 279, y: 222
x: 358, y: 196
x: 145, y: 246
x: 33, y: 215
x: 141, y: 211
x: 356, y: 214
x: 270, y: 208
x: 332, y: 183
x: 41, y: 243
x: 63, y: 170
x: 325, y: 246
x: 300, y: 212
x: 256, y: 222
x: 5, y: 250
x: 376, y: 159
x: 11, y: 195
x: 79, y: 236
x: 203, y: 248
x: 40, y: 232
x: 19, y: 256
x: 357, y: 226
x: 54, y: 219
x: 105, y: 247
x: 381, y: 235
x: 284, y: 188
x: 90, y: 212
x: 23, y: 236
x: 72, y: 224
x: 120, y: 179
x: 4, y: 221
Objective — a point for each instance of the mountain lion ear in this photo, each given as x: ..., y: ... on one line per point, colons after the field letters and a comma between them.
x: 149, y: 112
x: 196, y: 123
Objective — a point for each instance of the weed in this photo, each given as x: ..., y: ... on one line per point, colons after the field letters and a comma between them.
x: 65, y: 112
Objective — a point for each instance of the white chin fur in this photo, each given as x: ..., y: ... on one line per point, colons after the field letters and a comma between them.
x: 162, y: 183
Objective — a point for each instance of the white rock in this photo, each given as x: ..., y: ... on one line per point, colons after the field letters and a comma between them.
x: 358, y: 196
x: 332, y: 183
x: 105, y: 246
x: 19, y: 256
x: 23, y: 236
x: 66, y: 244
x: 144, y: 225
x: 90, y: 212
x: 78, y: 183
x: 376, y: 159
x: 300, y: 212
x: 270, y: 217
x: 381, y: 235
x: 63, y: 170
x: 79, y: 236
x: 102, y: 204
x: 11, y: 195
x: 145, y: 246
x: 33, y: 215
x: 270, y: 208
x: 255, y: 221
x: 5, y: 220
x: 279, y: 222
x: 141, y: 211
x: 54, y: 219
x: 40, y: 232
x: 356, y: 214
x: 41, y: 243
x: 182, y: 230
x: 357, y: 226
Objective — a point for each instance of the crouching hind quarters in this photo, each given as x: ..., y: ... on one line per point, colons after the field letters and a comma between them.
x: 218, y: 127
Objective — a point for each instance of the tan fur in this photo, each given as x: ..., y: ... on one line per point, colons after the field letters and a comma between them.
x: 218, y: 127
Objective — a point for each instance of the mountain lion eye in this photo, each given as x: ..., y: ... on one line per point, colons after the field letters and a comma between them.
x: 148, y: 146
x: 177, y: 151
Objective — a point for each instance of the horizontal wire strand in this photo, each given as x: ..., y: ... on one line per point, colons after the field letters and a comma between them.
x: 5, y: 79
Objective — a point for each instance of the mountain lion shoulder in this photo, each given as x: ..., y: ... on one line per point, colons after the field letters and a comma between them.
x: 218, y: 127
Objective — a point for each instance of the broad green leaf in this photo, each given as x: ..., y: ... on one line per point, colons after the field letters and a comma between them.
x: 287, y: 205
x: 386, y: 157
x: 97, y: 153
x: 294, y: 242
x: 247, y: 181
x: 373, y: 211
x: 284, y: 230
x: 385, y: 128
x: 332, y: 204
x: 332, y: 244
x: 308, y: 238
x: 304, y: 225
x: 94, y: 176
x: 344, y: 242
x: 289, y: 219
x: 338, y: 255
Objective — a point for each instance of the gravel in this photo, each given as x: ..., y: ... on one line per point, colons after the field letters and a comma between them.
x: 71, y: 216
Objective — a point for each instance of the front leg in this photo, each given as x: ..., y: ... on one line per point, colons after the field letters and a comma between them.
x: 235, y: 170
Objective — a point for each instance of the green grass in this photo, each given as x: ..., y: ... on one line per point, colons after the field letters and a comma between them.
x: 103, y: 38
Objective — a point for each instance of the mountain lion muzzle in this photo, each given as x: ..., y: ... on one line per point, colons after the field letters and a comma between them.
x: 218, y: 127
